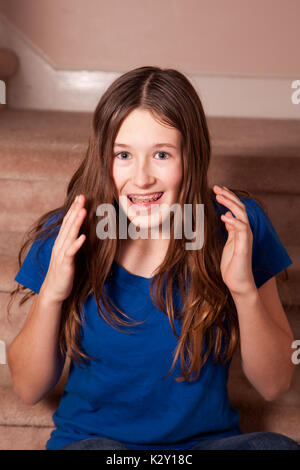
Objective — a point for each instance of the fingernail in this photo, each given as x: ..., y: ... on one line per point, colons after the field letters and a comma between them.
x: 76, y: 198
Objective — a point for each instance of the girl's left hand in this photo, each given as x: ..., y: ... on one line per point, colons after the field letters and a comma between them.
x: 236, y: 261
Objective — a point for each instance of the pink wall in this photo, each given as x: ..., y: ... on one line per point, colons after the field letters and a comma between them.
x: 216, y: 37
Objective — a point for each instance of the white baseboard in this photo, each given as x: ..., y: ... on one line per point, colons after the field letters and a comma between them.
x: 3, y: 359
x: 38, y: 85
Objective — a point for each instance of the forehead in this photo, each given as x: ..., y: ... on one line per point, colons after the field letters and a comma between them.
x: 141, y: 129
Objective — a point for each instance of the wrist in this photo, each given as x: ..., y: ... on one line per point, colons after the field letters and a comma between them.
x: 250, y: 295
x: 46, y: 296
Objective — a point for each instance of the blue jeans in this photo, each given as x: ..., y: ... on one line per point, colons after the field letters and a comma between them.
x: 247, y: 441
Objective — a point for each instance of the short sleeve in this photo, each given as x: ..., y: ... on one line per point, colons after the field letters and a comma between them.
x: 35, y: 265
x: 269, y: 256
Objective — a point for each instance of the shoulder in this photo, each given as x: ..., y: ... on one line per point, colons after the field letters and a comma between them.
x: 260, y: 222
x: 269, y: 254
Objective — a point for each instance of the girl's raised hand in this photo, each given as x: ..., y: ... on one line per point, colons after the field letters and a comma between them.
x: 60, y: 275
x: 236, y: 262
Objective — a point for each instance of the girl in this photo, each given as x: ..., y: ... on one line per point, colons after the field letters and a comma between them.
x: 150, y: 327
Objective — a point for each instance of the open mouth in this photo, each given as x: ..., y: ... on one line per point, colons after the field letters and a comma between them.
x: 145, y: 202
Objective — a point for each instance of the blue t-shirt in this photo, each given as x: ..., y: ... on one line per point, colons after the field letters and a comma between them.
x: 123, y: 395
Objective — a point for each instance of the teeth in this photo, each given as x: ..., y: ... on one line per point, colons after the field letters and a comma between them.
x: 146, y: 198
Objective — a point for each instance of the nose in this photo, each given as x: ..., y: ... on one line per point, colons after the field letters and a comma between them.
x: 142, y: 174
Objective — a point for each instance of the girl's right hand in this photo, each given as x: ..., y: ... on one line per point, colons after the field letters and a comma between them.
x: 60, y: 275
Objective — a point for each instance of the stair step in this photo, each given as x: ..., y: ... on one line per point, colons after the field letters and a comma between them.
x: 282, y: 210
x: 14, y: 412
x: 24, y: 437
x: 289, y: 290
x: 255, y: 137
x: 42, y: 145
x: 10, y: 242
x: 37, y: 198
x: 11, y: 324
x: 39, y: 164
x: 255, y: 154
x: 281, y: 419
x: 8, y: 272
x: 42, y: 129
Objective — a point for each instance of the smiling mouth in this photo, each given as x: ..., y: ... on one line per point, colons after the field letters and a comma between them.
x: 145, y: 201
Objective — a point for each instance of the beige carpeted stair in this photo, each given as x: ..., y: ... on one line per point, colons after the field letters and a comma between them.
x: 39, y: 152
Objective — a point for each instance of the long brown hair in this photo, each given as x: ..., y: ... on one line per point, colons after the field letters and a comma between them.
x: 208, y: 311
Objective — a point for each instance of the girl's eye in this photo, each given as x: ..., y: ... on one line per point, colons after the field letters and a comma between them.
x: 164, y: 153
x: 121, y: 153
x: 126, y: 153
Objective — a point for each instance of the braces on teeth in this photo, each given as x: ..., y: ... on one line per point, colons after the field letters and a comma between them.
x: 146, y: 199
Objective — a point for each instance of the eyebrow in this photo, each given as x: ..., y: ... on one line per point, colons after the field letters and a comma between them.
x: 153, y: 147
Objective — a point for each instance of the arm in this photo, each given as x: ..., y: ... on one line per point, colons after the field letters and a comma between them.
x: 34, y: 358
x: 266, y: 340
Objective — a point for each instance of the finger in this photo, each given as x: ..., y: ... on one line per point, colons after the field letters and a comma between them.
x: 73, y: 212
x: 72, y: 250
x: 241, y: 225
x: 64, y: 220
x: 229, y: 227
x: 242, y: 233
x: 79, y: 201
x: 224, y: 196
x: 73, y: 229
x: 69, y: 212
x: 230, y: 230
x: 238, y: 210
x: 229, y: 194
